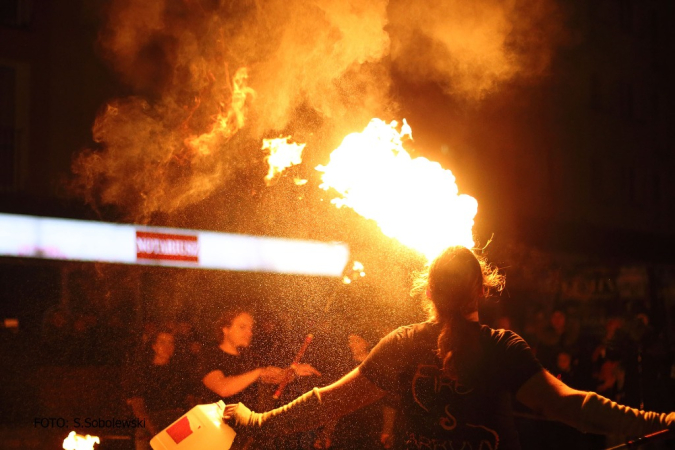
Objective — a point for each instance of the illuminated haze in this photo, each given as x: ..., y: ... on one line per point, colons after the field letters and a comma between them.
x: 211, y: 78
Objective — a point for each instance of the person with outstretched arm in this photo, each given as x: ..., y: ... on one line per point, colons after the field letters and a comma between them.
x: 454, y: 377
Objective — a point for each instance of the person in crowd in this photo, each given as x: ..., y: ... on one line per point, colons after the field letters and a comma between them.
x: 149, y: 382
x: 554, y: 339
x: 454, y: 378
x: 231, y: 373
x: 603, y: 350
x: 564, y: 369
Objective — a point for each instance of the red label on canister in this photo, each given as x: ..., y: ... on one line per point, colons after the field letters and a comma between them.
x: 179, y: 430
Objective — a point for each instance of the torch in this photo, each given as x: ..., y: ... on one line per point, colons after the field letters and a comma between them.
x: 353, y: 273
x: 289, y: 373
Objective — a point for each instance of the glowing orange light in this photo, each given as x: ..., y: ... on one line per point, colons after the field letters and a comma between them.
x: 413, y: 200
x: 357, y: 271
x: 283, y: 154
x: 75, y: 441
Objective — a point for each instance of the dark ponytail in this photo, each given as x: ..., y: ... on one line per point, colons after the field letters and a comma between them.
x: 459, y: 348
x: 454, y: 282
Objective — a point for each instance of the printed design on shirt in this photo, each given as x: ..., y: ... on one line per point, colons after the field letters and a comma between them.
x: 429, y: 381
x: 487, y: 441
x: 448, y: 422
x: 438, y: 395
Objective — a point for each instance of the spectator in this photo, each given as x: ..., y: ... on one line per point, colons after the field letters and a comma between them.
x: 156, y: 390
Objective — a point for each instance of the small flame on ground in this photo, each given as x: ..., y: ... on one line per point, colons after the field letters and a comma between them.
x: 413, y: 200
x: 283, y: 154
x: 75, y: 441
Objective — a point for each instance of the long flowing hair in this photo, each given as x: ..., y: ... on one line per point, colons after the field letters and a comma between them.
x: 454, y: 283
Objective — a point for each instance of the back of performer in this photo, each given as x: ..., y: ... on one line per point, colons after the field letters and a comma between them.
x: 439, y: 411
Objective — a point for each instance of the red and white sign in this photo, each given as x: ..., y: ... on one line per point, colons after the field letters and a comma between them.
x: 79, y: 240
x: 167, y: 247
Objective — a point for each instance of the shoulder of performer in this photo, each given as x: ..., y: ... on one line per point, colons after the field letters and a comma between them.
x: 503, y: 337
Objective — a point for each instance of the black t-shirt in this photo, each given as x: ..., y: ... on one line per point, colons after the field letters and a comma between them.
x: 161, y: 387
x: 213, y: 358
x: 437, y: 411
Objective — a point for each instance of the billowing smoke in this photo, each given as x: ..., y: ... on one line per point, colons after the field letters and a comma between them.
x: 210, y: 78
x: 472, y: 47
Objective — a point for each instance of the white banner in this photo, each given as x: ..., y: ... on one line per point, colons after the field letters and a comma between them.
x: 43, y: 237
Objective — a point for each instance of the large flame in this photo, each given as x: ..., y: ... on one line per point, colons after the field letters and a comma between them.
x: 413, y: 200
x: 75, y: 441
x: 283, y: 154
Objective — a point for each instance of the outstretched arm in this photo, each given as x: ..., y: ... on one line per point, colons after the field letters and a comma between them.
x: 311, y: 410
x: 587, y: 411
x: 349, y: 393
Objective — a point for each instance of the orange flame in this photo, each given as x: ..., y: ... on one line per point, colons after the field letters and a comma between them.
x: 282, y: 156
x: 413, y: 200
x: 75, y: 441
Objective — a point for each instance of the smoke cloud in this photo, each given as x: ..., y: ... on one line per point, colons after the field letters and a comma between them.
x: 472, y: 47
x: 210, y: 78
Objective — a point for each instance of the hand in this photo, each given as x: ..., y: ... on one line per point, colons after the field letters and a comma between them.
x: 239, y: 418
x: 305, y: 370
x: 229, y: 411
x: 272, y: 375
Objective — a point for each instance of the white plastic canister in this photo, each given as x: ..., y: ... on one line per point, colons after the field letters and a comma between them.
x: 201, y: 428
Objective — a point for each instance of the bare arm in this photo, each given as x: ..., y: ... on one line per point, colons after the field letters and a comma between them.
x: 228, y: 386
x: 349, y: 393
x: 587, y: 411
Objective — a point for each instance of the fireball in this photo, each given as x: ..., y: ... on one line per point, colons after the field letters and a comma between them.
x: 413, y: 200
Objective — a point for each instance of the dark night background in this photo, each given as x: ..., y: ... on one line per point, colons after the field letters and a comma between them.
x: 571, y: 170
